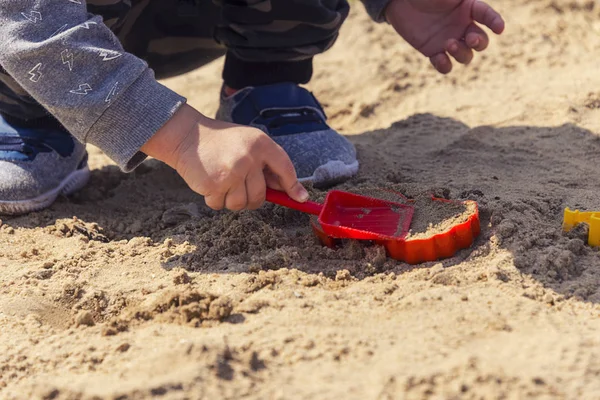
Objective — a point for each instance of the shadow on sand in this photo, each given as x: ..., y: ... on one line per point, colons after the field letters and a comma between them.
x: 521, y: 176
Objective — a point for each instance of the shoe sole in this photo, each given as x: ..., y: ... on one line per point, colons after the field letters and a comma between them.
x: 73, y: 182
x: 332, y: 173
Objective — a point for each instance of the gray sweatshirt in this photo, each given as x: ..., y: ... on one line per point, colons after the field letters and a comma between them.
x: 76, y: 68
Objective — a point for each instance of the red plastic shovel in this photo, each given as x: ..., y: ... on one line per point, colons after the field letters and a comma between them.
x: 348, y: 215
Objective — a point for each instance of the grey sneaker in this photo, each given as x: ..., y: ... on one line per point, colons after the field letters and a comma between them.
x: 36, y: 166
x: 294, y: 119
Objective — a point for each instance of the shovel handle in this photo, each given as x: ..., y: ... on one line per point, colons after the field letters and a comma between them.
x: 281, y: 198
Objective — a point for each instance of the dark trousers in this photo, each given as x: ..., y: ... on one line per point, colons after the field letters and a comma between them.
x: 265, y: 41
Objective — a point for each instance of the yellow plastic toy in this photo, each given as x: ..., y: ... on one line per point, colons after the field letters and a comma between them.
x: 592, y: 218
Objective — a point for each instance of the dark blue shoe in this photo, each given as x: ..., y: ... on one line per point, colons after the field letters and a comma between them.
x: 294, y: 119
x: 38, y: 165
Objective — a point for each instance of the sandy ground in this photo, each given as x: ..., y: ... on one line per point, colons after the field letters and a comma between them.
x: 134, y: 289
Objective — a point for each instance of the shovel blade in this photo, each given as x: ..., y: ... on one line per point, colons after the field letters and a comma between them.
x: 348, y: 215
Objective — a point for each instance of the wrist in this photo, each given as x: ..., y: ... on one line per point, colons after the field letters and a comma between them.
x: 165, y: 145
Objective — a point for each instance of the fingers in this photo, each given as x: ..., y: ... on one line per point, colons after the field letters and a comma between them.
x: 237, y: 198
x: 441, y: 62
x: 215, y: 201
x: 460, y: 51
x: 255, y: 189
x: 249, y: 194
x: 486, y: 15
x: 476, y: 38
x: 238, y: 180
x: 281, y: 165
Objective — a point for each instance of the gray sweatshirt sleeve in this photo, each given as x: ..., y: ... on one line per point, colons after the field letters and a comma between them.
x: 75, y: 67
x: 375, y: 8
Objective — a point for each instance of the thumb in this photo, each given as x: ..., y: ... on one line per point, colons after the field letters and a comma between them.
x: 280, y: 174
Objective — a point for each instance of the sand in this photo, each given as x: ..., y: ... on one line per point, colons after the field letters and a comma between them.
x: 133, y: 289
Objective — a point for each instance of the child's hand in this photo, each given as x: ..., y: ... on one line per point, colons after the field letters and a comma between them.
x: 230, y: 165
x: 440, y: 27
